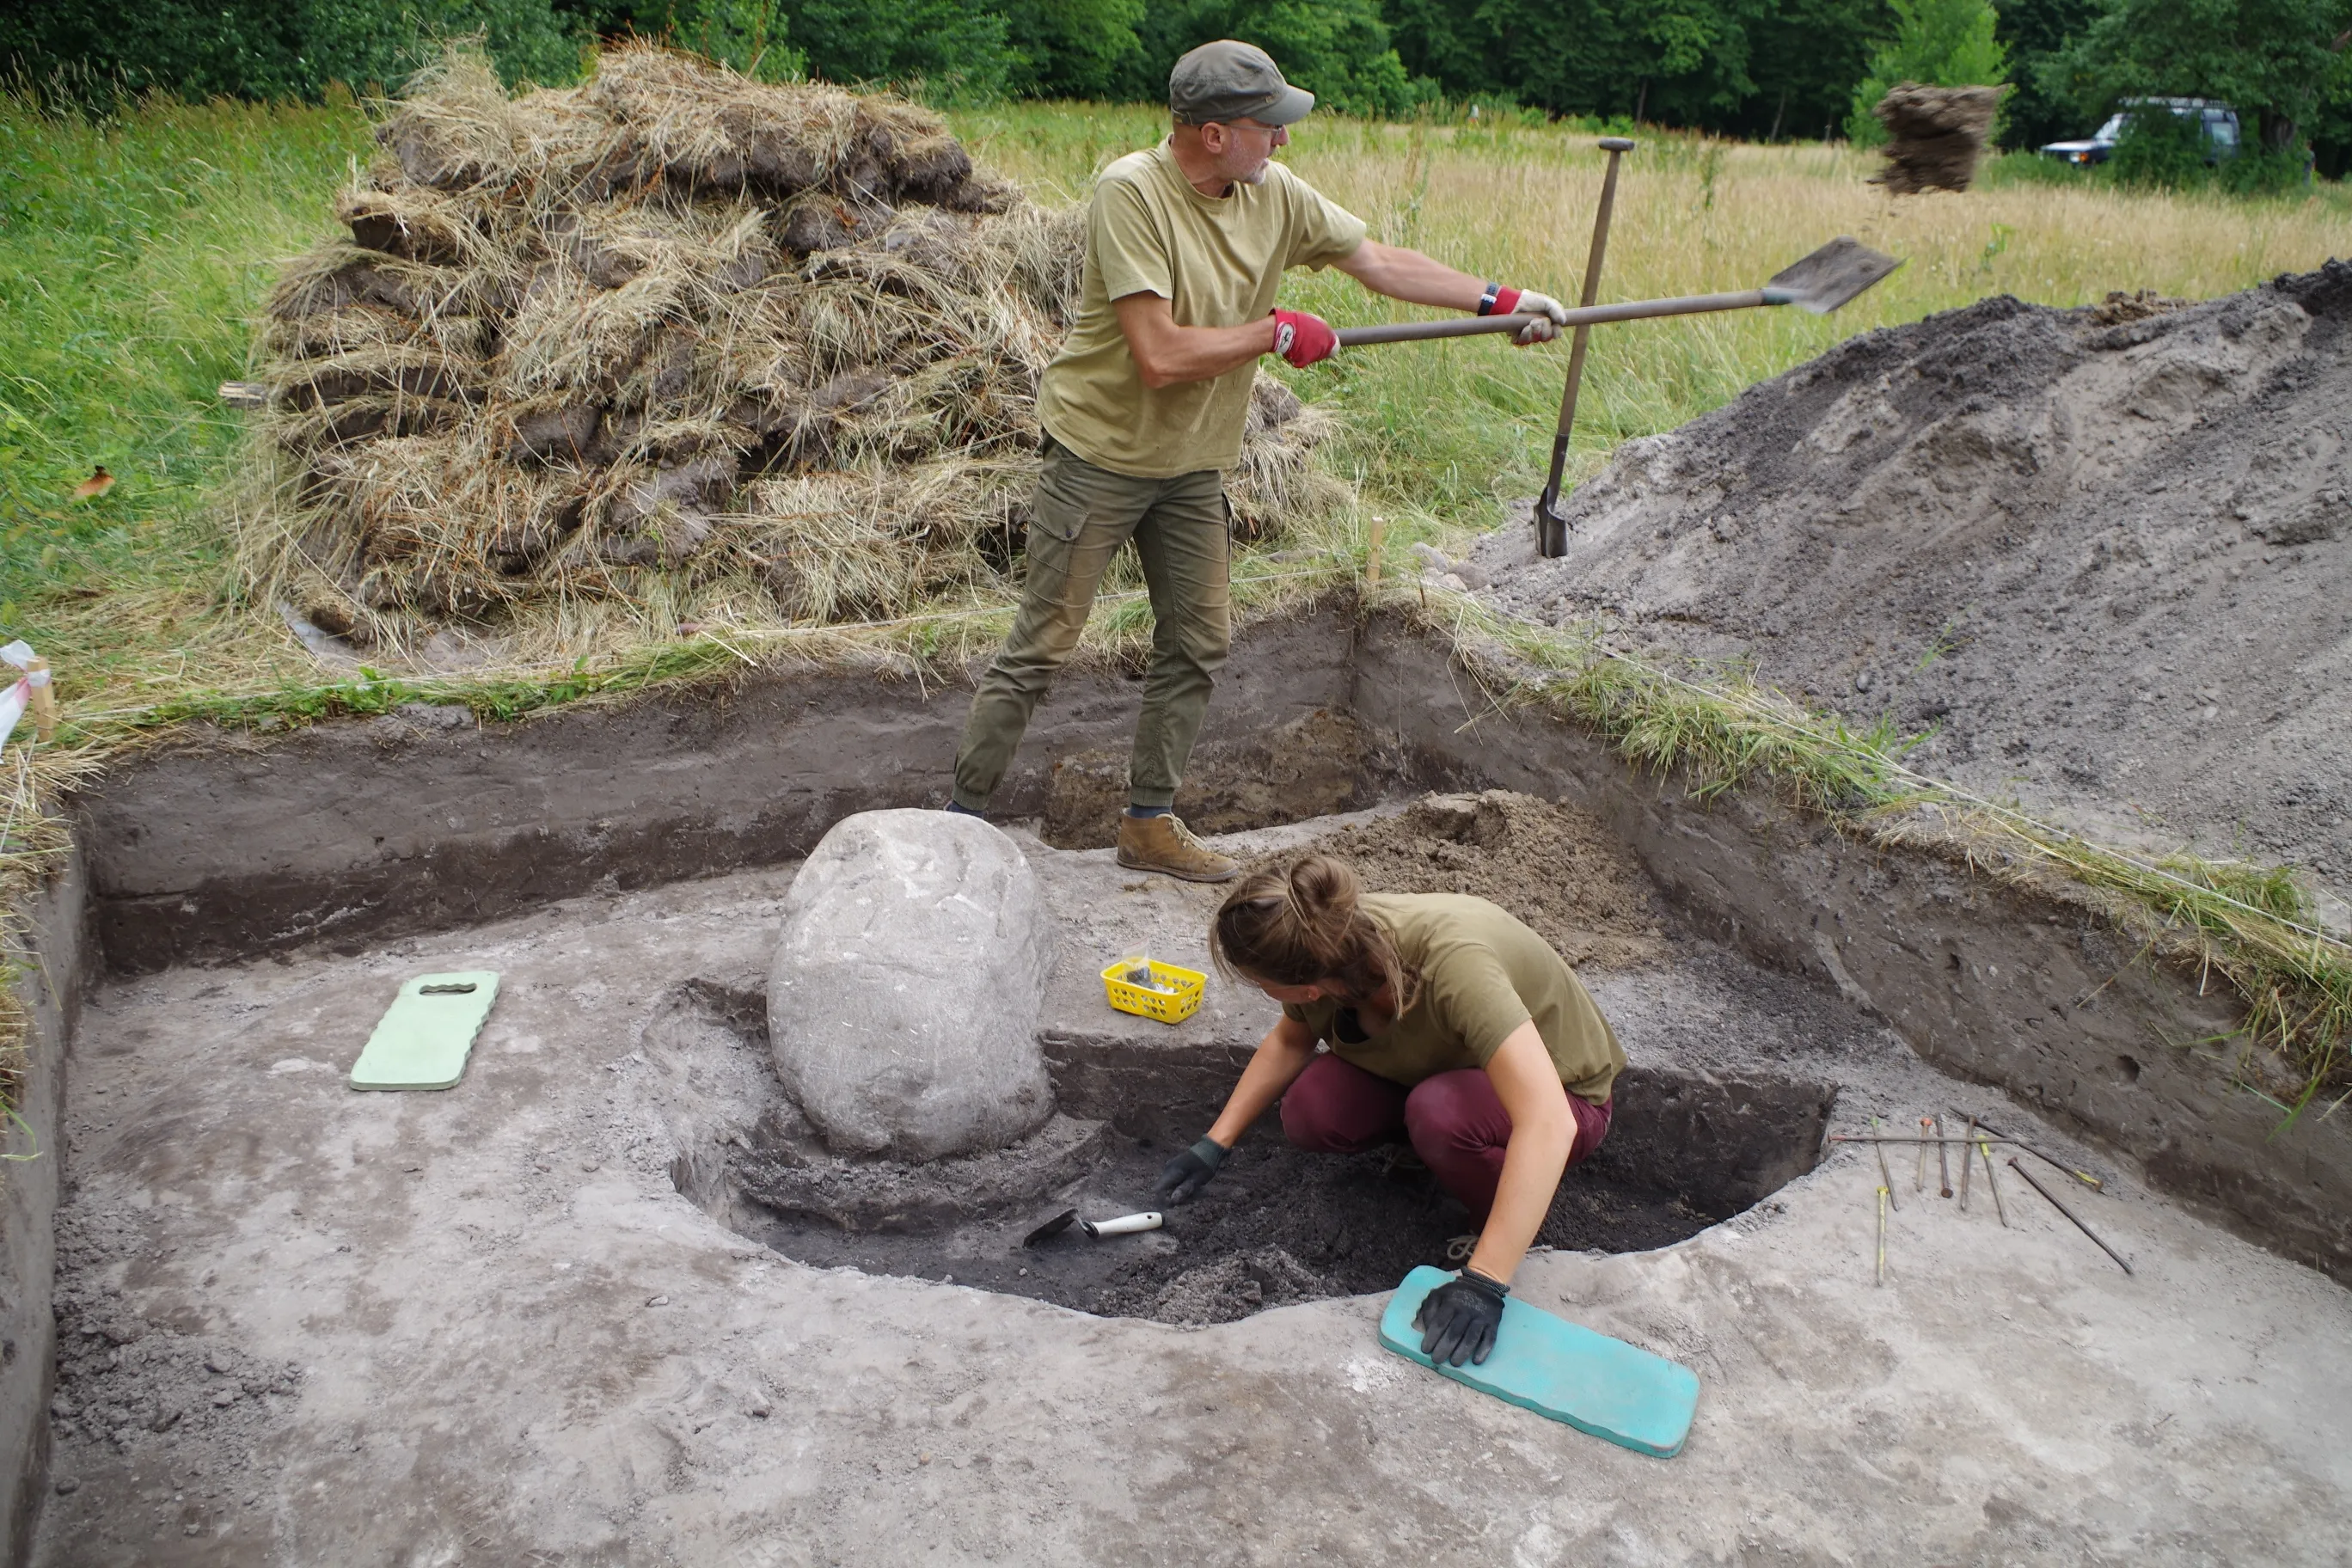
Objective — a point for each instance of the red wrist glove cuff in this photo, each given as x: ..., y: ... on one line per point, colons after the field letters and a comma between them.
x: 1302, y: 339
x: 1499, y: 300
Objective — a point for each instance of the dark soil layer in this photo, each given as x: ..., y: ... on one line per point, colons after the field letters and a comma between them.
x: 2105, y: 561
x: 1278, y: 1226
x: 1556, y: 867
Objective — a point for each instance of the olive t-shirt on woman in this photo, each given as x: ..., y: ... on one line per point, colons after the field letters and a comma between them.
x: 1217, y: 261
x: 1483, y: 974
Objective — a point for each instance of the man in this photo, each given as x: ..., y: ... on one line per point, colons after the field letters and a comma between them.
x: 1145, y: 404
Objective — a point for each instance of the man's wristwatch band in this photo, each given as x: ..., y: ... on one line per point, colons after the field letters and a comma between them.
x: 1486, y: 301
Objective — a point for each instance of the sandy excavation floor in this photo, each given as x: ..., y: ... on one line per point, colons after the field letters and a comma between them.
x: 2105, y: 565
x: 301, y: 1325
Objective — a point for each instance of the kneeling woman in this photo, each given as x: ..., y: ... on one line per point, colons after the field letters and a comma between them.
x: 1449, y: 1022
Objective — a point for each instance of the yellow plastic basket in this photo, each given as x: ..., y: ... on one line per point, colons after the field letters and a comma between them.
x: 1168, y: 1006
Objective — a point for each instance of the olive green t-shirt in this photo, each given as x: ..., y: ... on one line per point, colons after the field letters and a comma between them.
x: 1217, y: 261
x: 1483, y: 974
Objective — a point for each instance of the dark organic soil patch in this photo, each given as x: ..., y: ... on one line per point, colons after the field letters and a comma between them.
x: 1278, y: 1226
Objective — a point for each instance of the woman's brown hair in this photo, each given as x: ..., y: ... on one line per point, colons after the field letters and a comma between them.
x: 1302, y: 922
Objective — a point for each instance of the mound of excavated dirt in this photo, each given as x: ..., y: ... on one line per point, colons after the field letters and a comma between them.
x: 780, y: 342
x: 1558, y: 869
x: 2108, y: 565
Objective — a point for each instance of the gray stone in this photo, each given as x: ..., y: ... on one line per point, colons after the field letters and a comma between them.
x: 903, y: 1000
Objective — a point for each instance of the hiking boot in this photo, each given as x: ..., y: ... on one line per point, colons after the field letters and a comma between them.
x: 1165, y: 845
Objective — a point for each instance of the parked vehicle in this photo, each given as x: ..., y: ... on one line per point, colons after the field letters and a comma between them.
x: 2217, y: 124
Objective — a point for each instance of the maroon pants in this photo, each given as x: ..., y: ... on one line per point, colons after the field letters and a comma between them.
x: 1454, y: 1120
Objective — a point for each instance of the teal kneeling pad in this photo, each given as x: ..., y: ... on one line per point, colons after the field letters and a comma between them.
x: 423, y: 1039
x: 1563, y: 1370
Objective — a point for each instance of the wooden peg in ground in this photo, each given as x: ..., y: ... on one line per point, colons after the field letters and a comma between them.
x: 1943, y: 1160
x: 45, y: 699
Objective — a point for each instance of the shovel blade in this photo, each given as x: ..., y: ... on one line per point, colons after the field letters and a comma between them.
x: 1829, y: 277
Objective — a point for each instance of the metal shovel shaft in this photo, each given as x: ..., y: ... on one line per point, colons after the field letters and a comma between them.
x: 1819, y: 283
x: 1583, y: 316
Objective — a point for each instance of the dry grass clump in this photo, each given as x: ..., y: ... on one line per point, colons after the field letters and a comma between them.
x: 785, y: 339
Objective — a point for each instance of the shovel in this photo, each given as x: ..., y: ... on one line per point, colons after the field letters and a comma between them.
x: 1819, y: 283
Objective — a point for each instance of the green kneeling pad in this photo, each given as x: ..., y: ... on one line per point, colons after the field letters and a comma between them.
x: 423, y: 1038
x: 1563, y: 1370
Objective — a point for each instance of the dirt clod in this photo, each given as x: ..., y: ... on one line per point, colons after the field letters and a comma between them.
x: 1556, y: 868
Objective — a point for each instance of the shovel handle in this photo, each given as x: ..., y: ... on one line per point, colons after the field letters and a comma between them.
x: 1582, y: 316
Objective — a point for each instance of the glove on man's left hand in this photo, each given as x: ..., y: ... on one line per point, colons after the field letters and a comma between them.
x: 1531, y: 303
x: 1458, y: 1320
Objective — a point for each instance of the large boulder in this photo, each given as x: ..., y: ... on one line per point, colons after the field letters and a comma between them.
x: 903, y: 1002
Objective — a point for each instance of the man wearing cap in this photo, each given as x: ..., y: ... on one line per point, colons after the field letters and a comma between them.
x: 1144, y: 405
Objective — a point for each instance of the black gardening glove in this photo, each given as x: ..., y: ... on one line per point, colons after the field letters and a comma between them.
x: 1181, y: 1179
x: 1458, y: 1320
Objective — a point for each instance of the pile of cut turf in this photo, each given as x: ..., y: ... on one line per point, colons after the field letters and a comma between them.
x: 671, y: 328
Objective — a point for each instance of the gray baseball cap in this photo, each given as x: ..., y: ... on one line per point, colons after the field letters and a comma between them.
x: 1232, y: 80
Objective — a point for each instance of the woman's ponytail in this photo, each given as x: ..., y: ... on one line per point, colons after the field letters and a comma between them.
x: 1302, y: 922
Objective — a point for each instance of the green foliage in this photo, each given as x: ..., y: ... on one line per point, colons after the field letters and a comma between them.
x: 2159, y: 149
x: 2034, y: 32
x: 747, y: 35
x: 1340, y: 50
x: 272, y: 48
x: 132, y: 252
x: 950, y: 50
x: 2162, y: 151
x: 1684, y: 62
x: 1937, y: 43
x: 1074, y: 48
x: 2280, y: 63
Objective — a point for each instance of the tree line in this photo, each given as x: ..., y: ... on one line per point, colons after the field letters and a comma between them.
x: 1762, y: 69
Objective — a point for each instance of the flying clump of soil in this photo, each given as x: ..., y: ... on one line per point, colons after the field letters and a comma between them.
x: 2101, y: 558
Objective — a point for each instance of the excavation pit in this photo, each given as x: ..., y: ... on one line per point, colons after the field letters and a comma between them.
x: 1279, y: 1224
x: 548, y: 1311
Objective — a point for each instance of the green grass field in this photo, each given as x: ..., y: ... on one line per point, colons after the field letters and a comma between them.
x: 132, y: 252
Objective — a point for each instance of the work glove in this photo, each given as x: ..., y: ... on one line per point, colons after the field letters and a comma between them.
x: 1181, y: 1179
x: 1527, y: 302
x: 1302, y: 339
x: 1459, y: 1319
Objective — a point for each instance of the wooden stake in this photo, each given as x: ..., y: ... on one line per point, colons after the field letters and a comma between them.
x: 44, y: 700
x: 1919, y: 1184
x: 1372, y: 553
x: 1943, y: 1160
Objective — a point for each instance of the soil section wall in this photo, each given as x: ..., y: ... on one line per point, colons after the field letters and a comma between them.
x: 1988, y: 982
x: 421, y: 821
x: 49, y: 986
